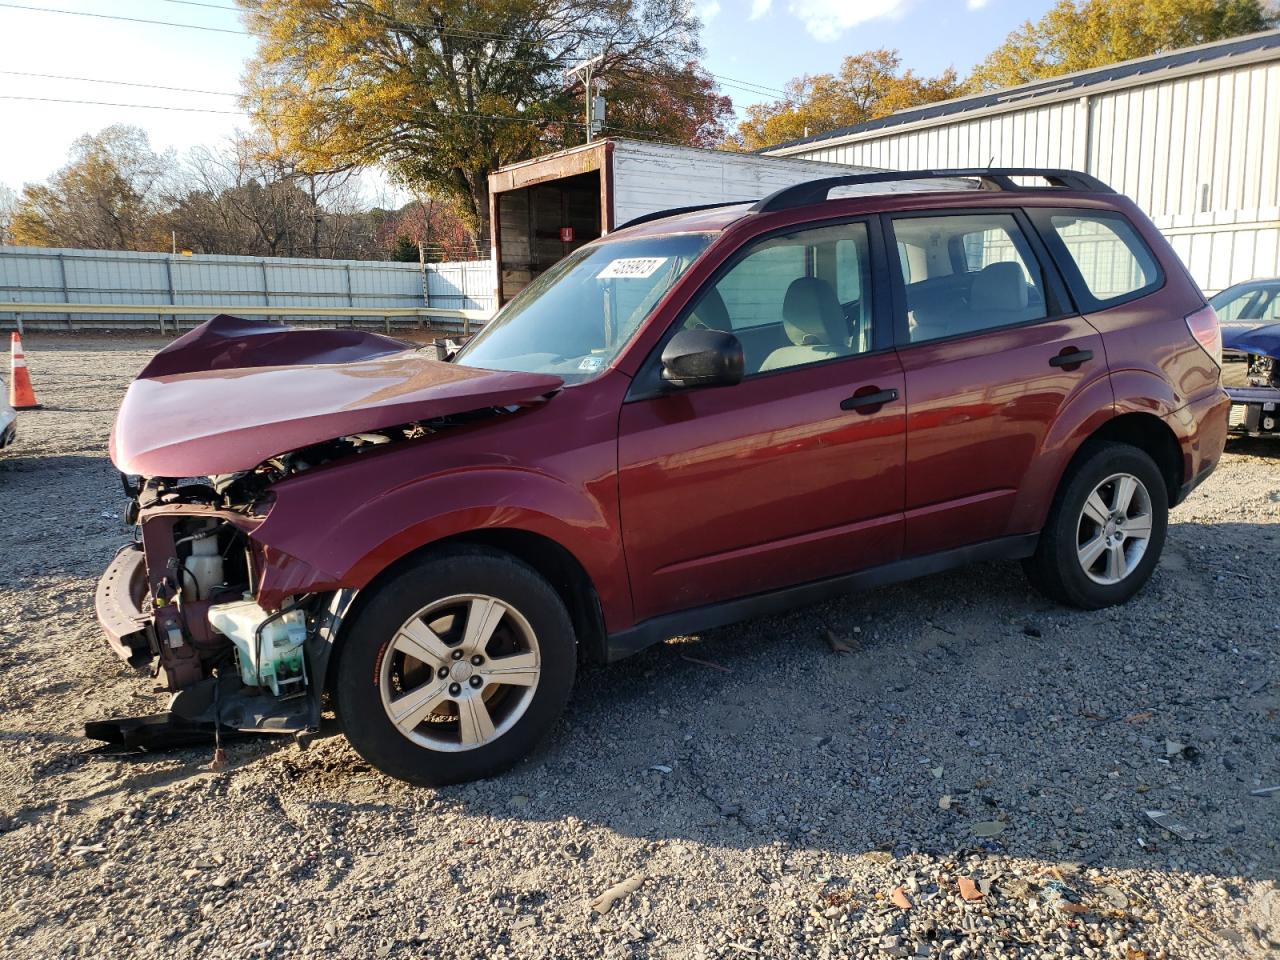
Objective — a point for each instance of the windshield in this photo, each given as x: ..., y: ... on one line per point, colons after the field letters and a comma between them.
x: 573, y: 320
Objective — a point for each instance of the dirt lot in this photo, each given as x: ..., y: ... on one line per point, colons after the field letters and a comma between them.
x: 764, y: 802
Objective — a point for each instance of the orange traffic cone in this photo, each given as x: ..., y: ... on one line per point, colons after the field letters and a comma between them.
x: 21, y: 394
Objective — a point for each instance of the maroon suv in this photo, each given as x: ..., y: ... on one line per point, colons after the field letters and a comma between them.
x: 708, y: 415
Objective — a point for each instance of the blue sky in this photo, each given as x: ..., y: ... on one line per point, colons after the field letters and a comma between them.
x: 764, y: 42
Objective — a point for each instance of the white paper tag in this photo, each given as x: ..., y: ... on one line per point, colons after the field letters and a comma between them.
x: 591, y: 364
x: 631, y: 268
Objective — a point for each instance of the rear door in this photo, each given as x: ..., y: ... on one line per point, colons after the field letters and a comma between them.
x: 992, y: 352
x: 796, y: 473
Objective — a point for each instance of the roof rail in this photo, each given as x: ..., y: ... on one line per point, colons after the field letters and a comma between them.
x: 676, y: 211
x: 991, y: 178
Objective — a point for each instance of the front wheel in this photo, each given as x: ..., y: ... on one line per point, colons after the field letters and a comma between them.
x: 1105, y: 531
x: 456, y: 667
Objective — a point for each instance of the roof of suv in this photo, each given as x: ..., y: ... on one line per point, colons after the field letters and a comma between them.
x: 878, y: 189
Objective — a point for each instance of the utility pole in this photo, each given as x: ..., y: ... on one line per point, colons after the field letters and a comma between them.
x: 595, y: 105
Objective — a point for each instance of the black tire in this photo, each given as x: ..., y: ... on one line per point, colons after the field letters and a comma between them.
x: 1055, y: 569
x: 367, y: 640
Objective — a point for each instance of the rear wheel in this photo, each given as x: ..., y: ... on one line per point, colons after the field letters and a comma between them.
x: 455, y: 668
x: 1105, y: 531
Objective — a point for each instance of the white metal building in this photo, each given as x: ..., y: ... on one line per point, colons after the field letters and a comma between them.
x: 1192, y: 136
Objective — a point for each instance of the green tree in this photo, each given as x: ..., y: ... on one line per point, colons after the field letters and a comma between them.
x: 868, y: 85
x: 443, y: 92
x: 109, y: 196
x: 1082, y: 34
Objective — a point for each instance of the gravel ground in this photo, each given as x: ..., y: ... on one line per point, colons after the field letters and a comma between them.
x: 749, y: 792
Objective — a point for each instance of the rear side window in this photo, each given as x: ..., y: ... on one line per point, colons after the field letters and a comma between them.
x: 966, y: 273
x: 1112, y: 262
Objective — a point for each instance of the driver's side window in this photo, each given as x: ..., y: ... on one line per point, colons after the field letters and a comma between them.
x: 795, y: 299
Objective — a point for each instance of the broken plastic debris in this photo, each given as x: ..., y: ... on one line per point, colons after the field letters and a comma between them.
x: 1166, y: 821
x: 944, y: 802
x: 83, y: 848
x: 1265, y: 791
x: 937, y: 773
x: 988, y: 828
x: 1057, y: 895
x: 900, y: 899
x: 661, y: 768
x: 969, y: 890
x: 1172, y: 748
x: 604, y: 903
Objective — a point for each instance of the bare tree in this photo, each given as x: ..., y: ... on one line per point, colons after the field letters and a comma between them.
x: 109, y: 195
x: 8, y: 206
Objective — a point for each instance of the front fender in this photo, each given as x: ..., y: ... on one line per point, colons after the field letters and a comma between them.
x: 320, y: 536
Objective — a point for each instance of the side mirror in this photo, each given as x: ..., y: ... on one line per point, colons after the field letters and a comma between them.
x: 702, y: 358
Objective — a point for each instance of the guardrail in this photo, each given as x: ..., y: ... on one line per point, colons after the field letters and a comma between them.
x: 440, y: 317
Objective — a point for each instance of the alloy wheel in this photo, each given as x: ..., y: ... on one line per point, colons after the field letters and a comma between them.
x: 1114, y: 528
x: 460, y: 672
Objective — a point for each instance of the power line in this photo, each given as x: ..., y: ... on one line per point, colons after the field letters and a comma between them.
x: 138, y: 106
x: 114, y: 16
x: 241, y: 113
x: 117, y: 83
x: 745, y: 86
x: 209, y: 6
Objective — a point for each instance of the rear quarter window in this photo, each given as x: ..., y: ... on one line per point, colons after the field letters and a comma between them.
x: 1104, y: 258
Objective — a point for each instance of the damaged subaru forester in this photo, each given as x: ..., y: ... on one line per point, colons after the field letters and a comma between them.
x: 704, y: 416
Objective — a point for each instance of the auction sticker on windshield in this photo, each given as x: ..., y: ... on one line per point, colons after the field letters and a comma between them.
x: 631, y: 268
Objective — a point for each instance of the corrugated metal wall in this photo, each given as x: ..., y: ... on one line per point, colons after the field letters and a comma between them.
x: 1200, y: 154
x: 44, y: 275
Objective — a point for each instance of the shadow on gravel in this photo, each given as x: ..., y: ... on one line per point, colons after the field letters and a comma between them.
x: 1253, y: 447
x: 57, y: 466
x: 968, y: 706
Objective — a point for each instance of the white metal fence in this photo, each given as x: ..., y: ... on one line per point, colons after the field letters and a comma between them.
x: 343, y: 290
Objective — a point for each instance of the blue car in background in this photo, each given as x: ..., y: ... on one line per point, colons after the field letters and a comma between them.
x: 1250, y: 316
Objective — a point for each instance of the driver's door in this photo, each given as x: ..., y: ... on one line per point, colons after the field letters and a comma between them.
x: 796, y: 473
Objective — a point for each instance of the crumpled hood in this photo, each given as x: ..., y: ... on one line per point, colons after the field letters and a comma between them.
x: 233, y: 393
x: 1264, y: 340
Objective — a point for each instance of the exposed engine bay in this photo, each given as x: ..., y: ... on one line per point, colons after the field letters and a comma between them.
x: 181, y: 597
x: 236, y: 629
x: 1255, y: 390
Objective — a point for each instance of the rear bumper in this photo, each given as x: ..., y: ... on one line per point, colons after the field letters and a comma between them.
x: 1201, y: 428
x: 118, y: 604
x: 1251, y: 409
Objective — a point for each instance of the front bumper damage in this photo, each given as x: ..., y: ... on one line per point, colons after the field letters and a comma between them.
x: 155, y: 615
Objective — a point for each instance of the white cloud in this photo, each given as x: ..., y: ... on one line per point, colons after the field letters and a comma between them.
x: 708, y: 11
x: 759, y: 8
x: 977, y: 4
x: 827, y: 20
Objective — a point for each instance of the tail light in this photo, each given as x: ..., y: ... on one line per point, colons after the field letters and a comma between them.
x: 1203, y: 325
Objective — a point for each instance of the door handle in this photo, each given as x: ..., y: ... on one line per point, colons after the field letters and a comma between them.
x: 1071, y: 358
x: 862, y: 401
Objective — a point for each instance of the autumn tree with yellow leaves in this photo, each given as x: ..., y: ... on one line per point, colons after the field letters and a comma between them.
x: 443, y: 92
x: 868, y: 86
x: 1083, y: 34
